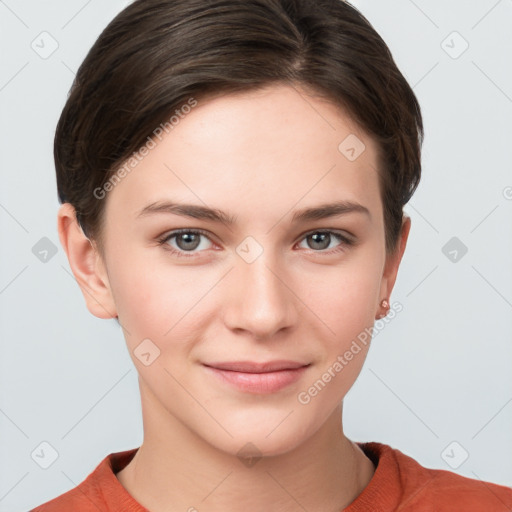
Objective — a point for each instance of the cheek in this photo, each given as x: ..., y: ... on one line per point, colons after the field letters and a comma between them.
x: 144, y: 296
x: 344, y: 298
x: 162, y: 303
x: 345, y: 303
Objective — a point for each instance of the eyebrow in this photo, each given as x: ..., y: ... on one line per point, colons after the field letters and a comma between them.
x: 319, y: 212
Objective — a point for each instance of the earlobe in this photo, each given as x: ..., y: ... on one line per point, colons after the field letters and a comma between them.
x: 86, y: 264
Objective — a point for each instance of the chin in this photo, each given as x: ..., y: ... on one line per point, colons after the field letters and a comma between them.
x: 260, y: 441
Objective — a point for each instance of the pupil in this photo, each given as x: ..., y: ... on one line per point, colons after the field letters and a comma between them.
x: 323, y: 238
x: 188, y: 239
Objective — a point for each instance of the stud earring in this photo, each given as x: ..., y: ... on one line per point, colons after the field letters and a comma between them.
x: 385, y: 304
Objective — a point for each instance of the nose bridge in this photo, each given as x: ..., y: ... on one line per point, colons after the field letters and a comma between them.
x: 261, y: 301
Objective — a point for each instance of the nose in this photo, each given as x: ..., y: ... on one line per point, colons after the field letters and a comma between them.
x: 260, y: 299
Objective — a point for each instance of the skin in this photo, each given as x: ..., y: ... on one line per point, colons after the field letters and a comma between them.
x: 259, y: 156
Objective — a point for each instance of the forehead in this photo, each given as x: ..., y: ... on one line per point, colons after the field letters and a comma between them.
x: 262, y: 151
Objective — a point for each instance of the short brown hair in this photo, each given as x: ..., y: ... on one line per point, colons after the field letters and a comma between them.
x: 157, y: 54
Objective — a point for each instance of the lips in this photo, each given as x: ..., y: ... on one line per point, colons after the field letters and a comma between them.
x: 255, y: 367
x: 255, y: 377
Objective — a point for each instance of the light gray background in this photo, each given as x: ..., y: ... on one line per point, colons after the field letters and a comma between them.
x: 439, y: 373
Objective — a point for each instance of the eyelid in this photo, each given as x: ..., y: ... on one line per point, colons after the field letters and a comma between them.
x: 336, y: 231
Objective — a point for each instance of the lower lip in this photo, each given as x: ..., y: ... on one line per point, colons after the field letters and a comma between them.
x: 268, y: 382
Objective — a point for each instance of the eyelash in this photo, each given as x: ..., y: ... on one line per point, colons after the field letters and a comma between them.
x: 164, y: 239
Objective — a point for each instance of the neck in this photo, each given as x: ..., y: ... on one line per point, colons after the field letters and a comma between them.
x: 174, y: 469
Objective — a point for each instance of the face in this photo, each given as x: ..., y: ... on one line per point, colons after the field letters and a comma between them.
x: 256, y: 279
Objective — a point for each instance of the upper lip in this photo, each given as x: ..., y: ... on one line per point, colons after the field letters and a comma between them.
x: 254, y: 367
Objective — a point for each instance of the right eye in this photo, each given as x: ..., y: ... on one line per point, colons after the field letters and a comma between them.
x: 186, y: 240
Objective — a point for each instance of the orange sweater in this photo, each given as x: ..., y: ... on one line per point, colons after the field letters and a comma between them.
x: 399, y: 483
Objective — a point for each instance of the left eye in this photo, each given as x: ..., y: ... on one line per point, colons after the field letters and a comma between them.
x: 323, y: 239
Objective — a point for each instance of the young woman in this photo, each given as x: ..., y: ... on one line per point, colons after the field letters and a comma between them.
x: 233, y: 175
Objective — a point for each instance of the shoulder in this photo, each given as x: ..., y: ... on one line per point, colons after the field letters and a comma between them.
x: 97, y: 491
x: 70, y: 500
x: 449, y: 489
x: 425, y: 489
x: 84, y: 497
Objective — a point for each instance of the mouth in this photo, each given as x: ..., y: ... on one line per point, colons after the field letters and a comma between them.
x: 255, y: 377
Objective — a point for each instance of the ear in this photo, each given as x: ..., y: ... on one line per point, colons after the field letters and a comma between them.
x: 393, y: 261
x: 86, y: 264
